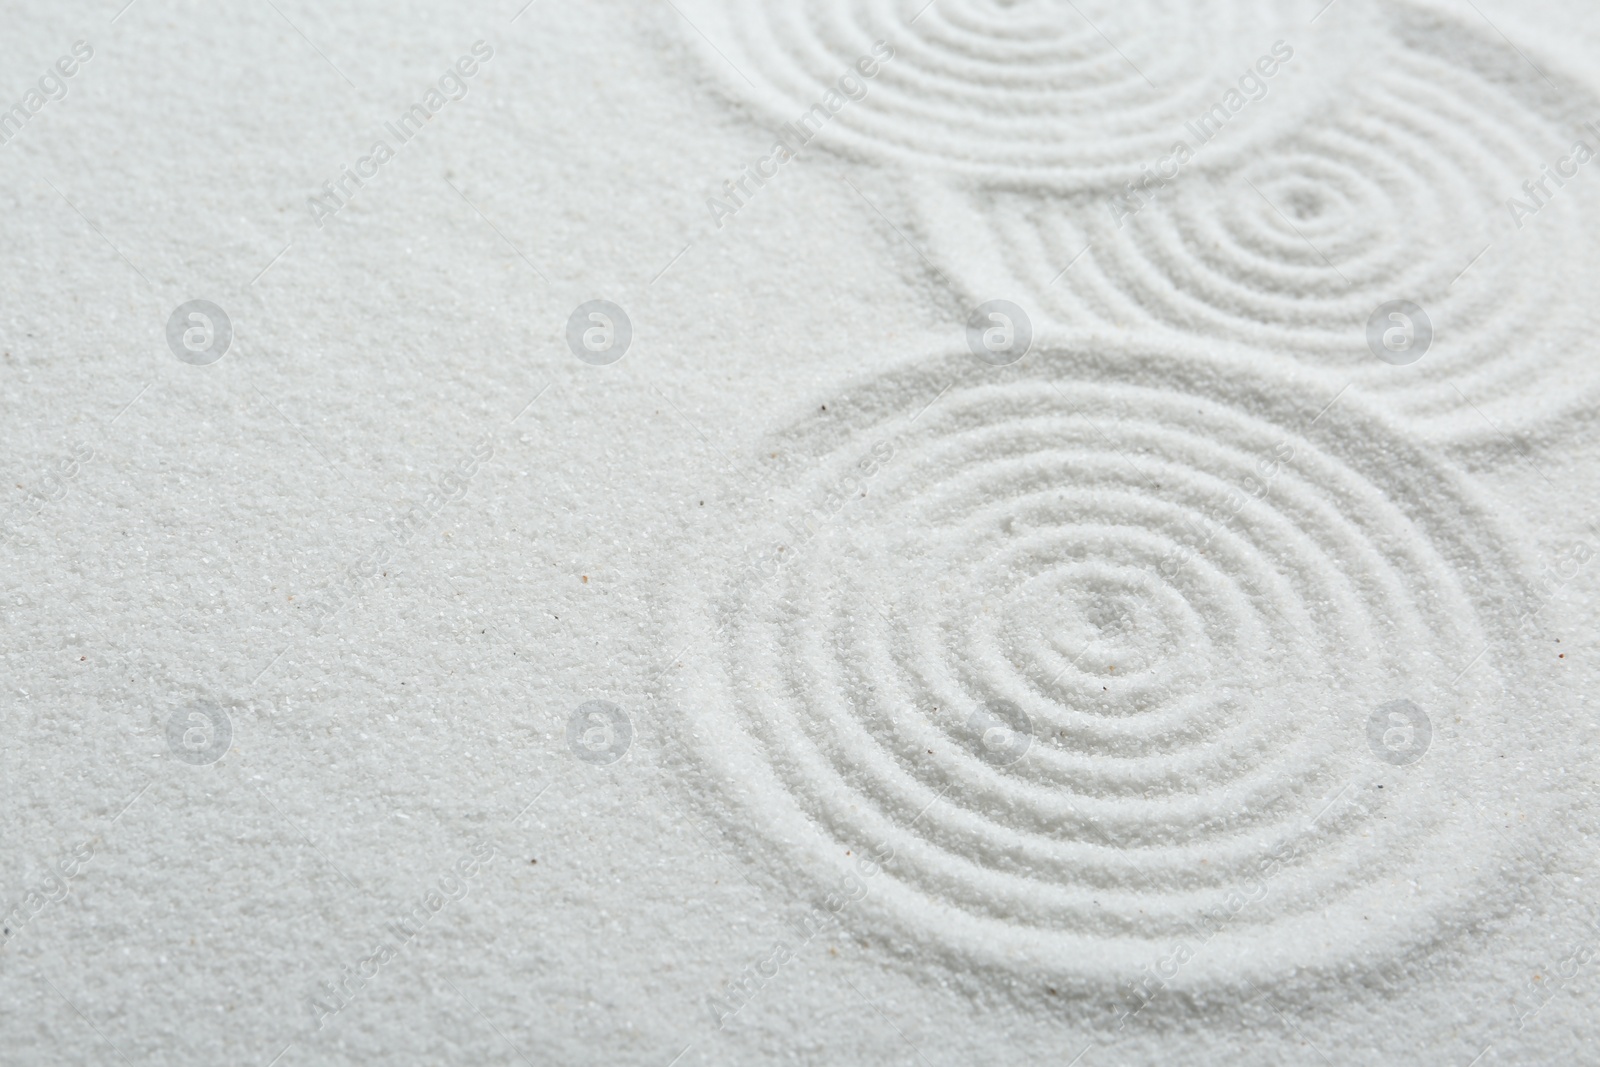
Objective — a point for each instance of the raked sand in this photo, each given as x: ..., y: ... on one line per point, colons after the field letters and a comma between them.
x: 838, y: 532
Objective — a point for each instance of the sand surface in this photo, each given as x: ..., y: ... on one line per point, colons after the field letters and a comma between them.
x: 850, y: 532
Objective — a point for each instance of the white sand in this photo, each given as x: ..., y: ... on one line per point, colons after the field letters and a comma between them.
x: 402, y: 682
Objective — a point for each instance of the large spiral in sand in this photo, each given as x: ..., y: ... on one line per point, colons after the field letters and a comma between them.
x: 1095, y: 644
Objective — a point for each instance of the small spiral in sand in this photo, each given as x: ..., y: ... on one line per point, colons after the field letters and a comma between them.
x: 1402, y: 192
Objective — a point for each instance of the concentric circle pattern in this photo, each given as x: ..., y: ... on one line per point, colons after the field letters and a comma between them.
x: 1403, y: 192
x: 1092, y: 644
x: 1033, y: 93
